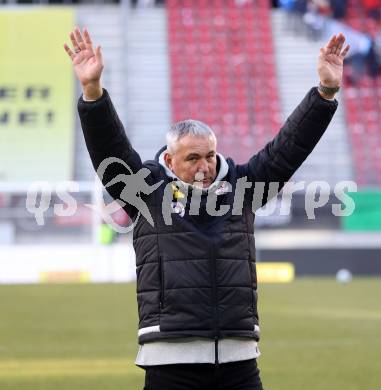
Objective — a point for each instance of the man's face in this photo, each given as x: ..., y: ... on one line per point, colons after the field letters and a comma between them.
x: 194, y: 160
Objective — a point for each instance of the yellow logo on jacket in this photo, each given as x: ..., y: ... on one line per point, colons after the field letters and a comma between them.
x: 177, y: 194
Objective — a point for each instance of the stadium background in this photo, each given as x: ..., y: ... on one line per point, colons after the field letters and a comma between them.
x: 240, y: 66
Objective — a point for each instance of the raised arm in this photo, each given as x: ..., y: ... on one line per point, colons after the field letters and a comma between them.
x: 103, y: 131
x: 281, y: 157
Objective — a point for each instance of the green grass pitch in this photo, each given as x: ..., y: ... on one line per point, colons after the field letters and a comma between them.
x: 316, y: 335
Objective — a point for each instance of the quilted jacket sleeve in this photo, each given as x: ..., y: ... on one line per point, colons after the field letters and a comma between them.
x: 282, y: 156
x: 105, y: 137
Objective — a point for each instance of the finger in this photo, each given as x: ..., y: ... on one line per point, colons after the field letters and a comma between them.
x: 74, y: 42
x: 345, y: 51
x: 98, y: 54
x: 86, y: 36
x: 331, y: 44
x: 323, y: 52
x: 68, y: 51
x: 339, y: 43
x: 78, y: 37
x: 335, y: 46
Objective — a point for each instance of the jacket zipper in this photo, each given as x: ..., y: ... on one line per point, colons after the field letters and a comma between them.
x: 216, y: 351
x: 161, y: 278
x: 251, y: 265
x: 215, y: 301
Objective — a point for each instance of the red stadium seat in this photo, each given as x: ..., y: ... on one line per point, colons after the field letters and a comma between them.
x: 214, y: 66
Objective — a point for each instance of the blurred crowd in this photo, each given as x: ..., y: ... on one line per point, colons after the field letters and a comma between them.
x: 323, y: 18
x: 332, y: 8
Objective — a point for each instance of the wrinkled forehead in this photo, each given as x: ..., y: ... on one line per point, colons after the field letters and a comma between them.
x: 201, y: 145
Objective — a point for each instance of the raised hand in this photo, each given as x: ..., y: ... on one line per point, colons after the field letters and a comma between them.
x: 331, y: 60
x: 88, y: 63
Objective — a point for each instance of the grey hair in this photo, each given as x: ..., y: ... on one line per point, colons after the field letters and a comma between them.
x: 189, y: 126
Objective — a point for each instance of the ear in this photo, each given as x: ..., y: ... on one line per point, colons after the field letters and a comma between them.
x: 168, y: 160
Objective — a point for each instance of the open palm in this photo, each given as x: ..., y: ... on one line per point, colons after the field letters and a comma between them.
x: 88, y: 63
x: 331, y: 60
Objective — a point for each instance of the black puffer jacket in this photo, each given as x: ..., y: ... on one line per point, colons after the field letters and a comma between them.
x: 196, y: 276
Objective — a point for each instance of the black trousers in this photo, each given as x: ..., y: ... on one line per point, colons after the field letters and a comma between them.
x: 242, y: 375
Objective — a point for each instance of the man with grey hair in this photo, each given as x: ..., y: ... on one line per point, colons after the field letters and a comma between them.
x: 179, y: 137
x: 196, y: 274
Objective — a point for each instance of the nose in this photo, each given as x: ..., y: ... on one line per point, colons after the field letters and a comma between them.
x: 203, y: 166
